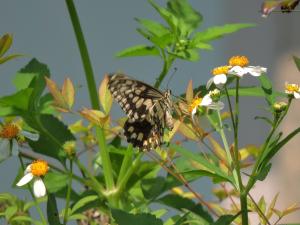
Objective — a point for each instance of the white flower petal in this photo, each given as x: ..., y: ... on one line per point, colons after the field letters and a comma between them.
x: 4, y: 149
x: 28, y: 169
x: 39, y: 188
x: 238, y: 71
x: 296, y: 95
x: 15, y: 147
x: 209, y: 83
x: 29, y: 135
x: 255, y: 70
x: 25, y: 179
x: 216, y: 105
x: 206, y: 101
x: 220, y: 79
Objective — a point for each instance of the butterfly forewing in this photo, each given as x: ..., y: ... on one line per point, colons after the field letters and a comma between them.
x: 148, y: 110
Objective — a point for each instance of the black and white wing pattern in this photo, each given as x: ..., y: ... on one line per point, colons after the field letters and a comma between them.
x: 149, y: 110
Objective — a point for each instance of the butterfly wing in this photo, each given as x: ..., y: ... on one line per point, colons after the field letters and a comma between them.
x: 147, y: 108
x: 137, y: 99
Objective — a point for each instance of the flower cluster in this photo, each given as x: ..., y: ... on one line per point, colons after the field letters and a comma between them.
x: 237, y: 66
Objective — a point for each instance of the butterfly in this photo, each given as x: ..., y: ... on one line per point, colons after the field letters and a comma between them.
x: 148, y: 109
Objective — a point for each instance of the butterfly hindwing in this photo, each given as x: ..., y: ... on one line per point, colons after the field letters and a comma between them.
x: 148, y: 110
x: 143, y: 134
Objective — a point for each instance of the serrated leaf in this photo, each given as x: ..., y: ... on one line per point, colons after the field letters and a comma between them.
x: 297, y: 62
x: 203, y: 161
x: 180, y: 203
x: 218, y: 32
x: 55, y: 181
x: 153, y: 27
x: 23, y: 80
x: 124, y: 218
x: 55, y: 92
x: 53, y: 134
x: 82, y: 202
x: 20, y: 100
x: 139, y: 50
x: 188, y: 18
x: 68, y: 92
x: 105, y: 95
x: 171, y: 20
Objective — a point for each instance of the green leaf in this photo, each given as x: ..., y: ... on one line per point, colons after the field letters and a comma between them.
x: 52, y: 212
x: 203, y: 161
x: 160, y: 41
x: 38, y: 83
x: 83, y: 201
x: 153, y: 187
x: 182, y: 219
x: 193, y: 174
x: 182, y: 204
x: 263, y: 172
x: 20, y: 100
x: 5, y: 43
x: 124, y: 218
x: 55, y: 181
x: 53, y: 134
x: 271, y: 152
x: 188, y: 18
x: 297, y: 62
x: 218, y: 32
x: 189, y: 54
x: 10, y: 212
x: 138, y: 50
x: 153, y: 27
x: 166, y: 15
x: 266, y: 86
x: 23, y: 80
x: 225, y: 219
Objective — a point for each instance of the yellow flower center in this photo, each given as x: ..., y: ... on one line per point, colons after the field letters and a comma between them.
x: 39, y: 167
x: 292, y: 87
x: 10, y: 130
x: 241, y: 61
x: 220, y: 70
x: 194, y: 104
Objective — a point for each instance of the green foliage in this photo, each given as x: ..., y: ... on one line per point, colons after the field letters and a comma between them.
x: 124, y: 218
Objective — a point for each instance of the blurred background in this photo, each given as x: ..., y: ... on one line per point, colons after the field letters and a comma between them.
x: 42, y: 29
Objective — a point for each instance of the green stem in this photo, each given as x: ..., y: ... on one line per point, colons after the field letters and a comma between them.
x: 126, y: 162
x: 38, y: 208
x: 128, y: 174
x: 244, y: 209
x: 230, y: 107
x: 95, y: 183
x: 68, y: 193
x: 243, y: 195
x: 227, y: 150
x: 167, y: 64
x: 89, y: 75
x: 252, y: 179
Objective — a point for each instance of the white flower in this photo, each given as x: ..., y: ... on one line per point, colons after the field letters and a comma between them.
x: 255, y: 71
x: 34, y: 172
x: 10, y: 133
x: 239, y: 67
x: 206, y: 101
x: 219, y: 76
x: 292, y: 89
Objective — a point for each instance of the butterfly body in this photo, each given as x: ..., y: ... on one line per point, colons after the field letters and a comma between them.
x: 149, y: 110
